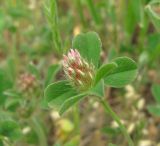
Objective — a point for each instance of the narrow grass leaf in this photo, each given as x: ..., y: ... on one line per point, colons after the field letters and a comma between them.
x: 155, y: 18
x: 156, y: 92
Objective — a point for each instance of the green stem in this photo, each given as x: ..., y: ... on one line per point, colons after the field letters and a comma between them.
x: 76, y: 119
x: 40, y: 132
x: 109, y: 110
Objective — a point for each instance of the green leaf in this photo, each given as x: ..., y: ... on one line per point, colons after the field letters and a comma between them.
x: 12, y: 93
x: 153, y: 47
x: 70, y: 102
x: 56, y: 89
x: 12, y: 103
x: 56, y: 103
x: 13, y: 100
x: 98, y: 90
x: 52, y: 70
x: 155, y: 18
x: 156, y: 92
x: 56, y: 93
x: 89, y: 45
x: 104, y: 70
x: 154, y: 109
x: 123, y: 74
x: 10, y: 129
x: 134, y: 15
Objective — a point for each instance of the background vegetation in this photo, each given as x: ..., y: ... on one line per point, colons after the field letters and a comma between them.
x: 33, y: 36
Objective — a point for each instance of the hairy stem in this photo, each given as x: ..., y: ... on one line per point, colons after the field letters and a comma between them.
x: 109, y: 110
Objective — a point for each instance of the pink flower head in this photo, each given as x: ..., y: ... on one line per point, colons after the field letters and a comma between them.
x: 27, y: 84
x: 77, y: 70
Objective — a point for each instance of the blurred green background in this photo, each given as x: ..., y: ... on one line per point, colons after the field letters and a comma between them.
x: 33, y: 36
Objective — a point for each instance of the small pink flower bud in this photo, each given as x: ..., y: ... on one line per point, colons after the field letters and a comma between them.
x: 28, y: 85
x: 78, y: 71
x: 26, y: 81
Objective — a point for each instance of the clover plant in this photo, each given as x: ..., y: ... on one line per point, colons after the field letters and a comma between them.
x: 85, y: 76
